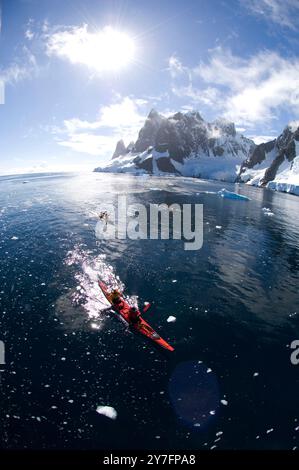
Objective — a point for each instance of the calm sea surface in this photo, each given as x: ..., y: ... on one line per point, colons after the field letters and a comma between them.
x: 229, y: 384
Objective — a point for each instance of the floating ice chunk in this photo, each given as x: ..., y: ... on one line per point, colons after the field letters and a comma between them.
x: 107, y: 411
x: 224, y: 402
x: 174, y: 280
x: 267, y: 211
x: 212, y: 412
x: 219, y: 433
x: 230, y: 195
x: 269, y: 430
x: 171, y: 319
x: 218, y: 227
x: 14, y: 238
x: 255, y: 374
x: 209, y: 370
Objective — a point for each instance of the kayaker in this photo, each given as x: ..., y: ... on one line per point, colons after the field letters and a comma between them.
x: 134, y: 315
x: 104, y: 216
x: 115, y: 297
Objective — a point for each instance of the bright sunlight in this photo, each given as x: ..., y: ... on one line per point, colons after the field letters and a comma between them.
x: 105, y: 50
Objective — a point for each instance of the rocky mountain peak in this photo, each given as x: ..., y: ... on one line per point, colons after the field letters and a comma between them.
x: 120, y: 149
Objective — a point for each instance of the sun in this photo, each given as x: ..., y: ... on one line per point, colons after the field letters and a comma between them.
x: 102, y: 50
x: 107, y: 50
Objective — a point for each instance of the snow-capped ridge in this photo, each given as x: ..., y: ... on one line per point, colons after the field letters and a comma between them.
x: 183, y: 144
x: 274, y: 164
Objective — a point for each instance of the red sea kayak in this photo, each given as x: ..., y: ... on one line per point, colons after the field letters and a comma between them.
x: 142, y: 326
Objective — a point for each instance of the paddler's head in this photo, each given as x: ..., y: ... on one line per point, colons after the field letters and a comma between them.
x: 133, y: 309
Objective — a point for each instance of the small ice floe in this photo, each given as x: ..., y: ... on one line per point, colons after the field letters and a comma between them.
x: 255, y: 374
x: 94, y: 326
x: 171, y: 319
x: 297, y: 428
x: 224, y: 402
x: 196, y: 425
x: 218, y: 227
x: 212, y: 412
x: 292, y: 314
x: 219, y: 433
x: 267, y: 211
x: 14, y: 238
x: 230, y: 195
x: 209, y: 370
x: 269, y: 430
x: 174, y: 280
x: 107, y: 411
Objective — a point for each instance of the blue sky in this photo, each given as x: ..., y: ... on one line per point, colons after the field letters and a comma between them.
x: 77, y: 75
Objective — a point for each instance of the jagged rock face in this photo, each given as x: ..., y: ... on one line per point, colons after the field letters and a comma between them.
x: 147, y: 135
x: 266, y: 160
x: 120, y: 149
x: 188, y: 145
x: 184, y: 134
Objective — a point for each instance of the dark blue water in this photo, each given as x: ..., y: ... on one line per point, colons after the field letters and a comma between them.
x: 229, y: 384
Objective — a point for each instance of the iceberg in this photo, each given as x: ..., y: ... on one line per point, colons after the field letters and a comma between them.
x: 107, y: 411
x: 230, y: 195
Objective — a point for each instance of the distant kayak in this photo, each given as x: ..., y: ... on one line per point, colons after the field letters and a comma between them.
x: 142, y: 327
x: 230, y: 195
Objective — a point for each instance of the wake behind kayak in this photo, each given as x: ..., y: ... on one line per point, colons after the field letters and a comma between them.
x: 133, y: 317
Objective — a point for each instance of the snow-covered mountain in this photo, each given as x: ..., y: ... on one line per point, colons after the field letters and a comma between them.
x: 183, y: 144
x: 275, y: 164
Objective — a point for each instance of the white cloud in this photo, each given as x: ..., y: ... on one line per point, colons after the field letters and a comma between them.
x: 29, y: 34
x: 100, y: 50
x: 19, y: 70
x: 116, y: 121
x: 247, y: 91
x: 282, y: 12
x: 176, y: 67
x: 88, y: 143
x: 259, y: 139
